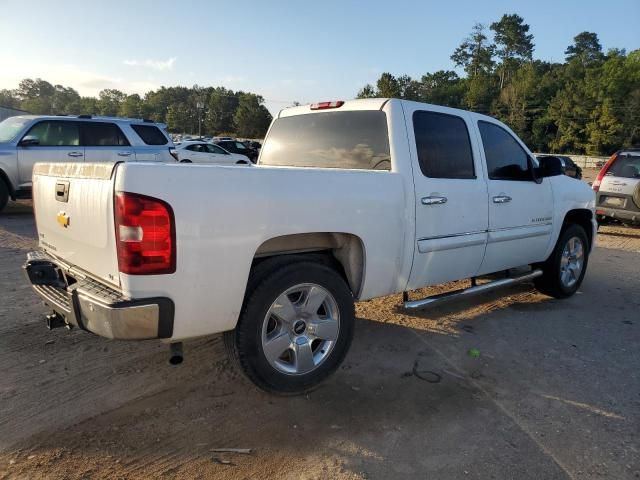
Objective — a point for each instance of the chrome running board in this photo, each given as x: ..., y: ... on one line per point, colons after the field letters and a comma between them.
x: 467, y: 292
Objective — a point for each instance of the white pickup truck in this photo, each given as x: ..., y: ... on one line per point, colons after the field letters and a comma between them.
x: 349, y: 201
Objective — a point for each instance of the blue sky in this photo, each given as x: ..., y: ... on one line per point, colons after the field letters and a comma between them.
x: 283, y: 50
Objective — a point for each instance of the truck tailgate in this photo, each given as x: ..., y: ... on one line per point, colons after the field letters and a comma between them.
x: 73, y: 205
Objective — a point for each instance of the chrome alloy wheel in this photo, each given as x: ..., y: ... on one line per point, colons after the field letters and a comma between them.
x: 300, y: 329
x: 571, y: 262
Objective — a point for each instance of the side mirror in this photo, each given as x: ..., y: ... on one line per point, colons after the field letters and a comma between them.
x: 549, y: 167
x: 29, y: 140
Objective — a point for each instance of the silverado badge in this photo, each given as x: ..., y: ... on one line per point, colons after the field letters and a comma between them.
x: 63, y: 219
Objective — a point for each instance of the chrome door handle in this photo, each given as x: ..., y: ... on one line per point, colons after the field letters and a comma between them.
x: 501, y: 199
x: 75, y: 154
x: 434, y: 200
x: 124, y: 154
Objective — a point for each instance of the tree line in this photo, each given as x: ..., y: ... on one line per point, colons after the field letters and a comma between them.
x: 216, y: 110
x: 589, y: 104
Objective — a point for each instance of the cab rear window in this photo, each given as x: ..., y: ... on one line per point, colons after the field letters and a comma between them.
x: 350, y: 140
x: 150, y: 134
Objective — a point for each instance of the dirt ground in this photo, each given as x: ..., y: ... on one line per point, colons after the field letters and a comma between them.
x: 554, y: 392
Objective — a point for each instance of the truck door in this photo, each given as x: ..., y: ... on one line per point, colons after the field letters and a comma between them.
x: 49, y: 141
x: 520, y: 209
x: 450, y: 196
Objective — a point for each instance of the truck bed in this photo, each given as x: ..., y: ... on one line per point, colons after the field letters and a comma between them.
x: 222, y: 217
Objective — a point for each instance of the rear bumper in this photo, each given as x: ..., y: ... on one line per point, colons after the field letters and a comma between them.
x: 619, y: 213
x: 95, y: 307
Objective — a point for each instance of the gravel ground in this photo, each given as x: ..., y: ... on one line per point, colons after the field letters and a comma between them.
x: 554, y: 392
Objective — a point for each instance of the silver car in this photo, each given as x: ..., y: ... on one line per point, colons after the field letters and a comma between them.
x: 27, y: 139
x: 618, y: 187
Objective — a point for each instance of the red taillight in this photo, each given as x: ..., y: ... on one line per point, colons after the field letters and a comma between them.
x: 603, y: 172
x: 325, y: 105
x: 145, y: 235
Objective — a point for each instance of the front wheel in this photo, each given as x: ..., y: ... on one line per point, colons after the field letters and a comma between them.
x: 295, y: 327
x: 564, y: 270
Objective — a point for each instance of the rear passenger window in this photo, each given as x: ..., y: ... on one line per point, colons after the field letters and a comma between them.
x: 443, y: 144
x: 150, y: 134
x: 56, y: 133
x: 216, y: 149
x: 98, y: 134
x: 506, y: 159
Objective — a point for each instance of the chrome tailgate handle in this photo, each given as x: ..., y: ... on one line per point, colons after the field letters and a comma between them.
x: 501, y: 199
x: 434, y: 200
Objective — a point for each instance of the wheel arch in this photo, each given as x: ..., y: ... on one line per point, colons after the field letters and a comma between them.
x: 344, y: 251
x: 582, y: 217
x: 5, y: 178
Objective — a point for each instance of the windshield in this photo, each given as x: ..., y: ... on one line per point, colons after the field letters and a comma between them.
x: 10, y: 127
x: 354, y: 139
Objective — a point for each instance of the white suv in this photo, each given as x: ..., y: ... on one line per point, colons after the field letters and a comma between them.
x: 618, y: 187
x: 28, y: 139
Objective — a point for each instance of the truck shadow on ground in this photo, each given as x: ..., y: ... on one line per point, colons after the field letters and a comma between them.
x: 394, y: 399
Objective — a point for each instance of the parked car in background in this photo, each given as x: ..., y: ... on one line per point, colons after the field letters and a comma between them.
x: 27, y: 139
x: 276, y: 257
x: 618, y: 187
x: 236, y: 146
x: 569, y: 167
x: 252, y: 144
x: 204, y: 152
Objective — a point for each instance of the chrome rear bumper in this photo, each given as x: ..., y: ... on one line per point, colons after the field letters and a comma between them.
x: 96, y: 307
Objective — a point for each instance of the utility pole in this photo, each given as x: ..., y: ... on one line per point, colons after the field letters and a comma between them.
x: 199, y: 106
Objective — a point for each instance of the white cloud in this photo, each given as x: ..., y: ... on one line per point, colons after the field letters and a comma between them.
x: 86, y: 82
x: 160, y: 65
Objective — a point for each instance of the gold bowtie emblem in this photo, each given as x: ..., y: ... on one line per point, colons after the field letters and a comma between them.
x: 63, y: 219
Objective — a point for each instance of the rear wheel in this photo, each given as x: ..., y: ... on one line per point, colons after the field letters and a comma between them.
x: 185, y: 161
x: 564, y: 270
x: 295, y: 327
x: 4, y: 195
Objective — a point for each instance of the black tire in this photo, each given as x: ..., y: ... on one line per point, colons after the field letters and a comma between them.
x: 4, y: 195
x: 550, y: 282
x: 185, y: 161
x: 268, y: 281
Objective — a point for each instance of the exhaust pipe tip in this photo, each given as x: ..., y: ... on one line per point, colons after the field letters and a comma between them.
x: 176, y: 357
